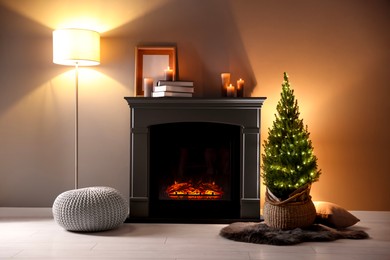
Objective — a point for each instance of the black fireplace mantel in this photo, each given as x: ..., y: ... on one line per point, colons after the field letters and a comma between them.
x: 244, y: 112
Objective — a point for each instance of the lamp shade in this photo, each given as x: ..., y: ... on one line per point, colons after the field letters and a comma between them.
x: 76, y: 47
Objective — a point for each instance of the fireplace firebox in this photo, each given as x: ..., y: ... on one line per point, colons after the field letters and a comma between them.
x: 194, y: 159
x: 194, y: 170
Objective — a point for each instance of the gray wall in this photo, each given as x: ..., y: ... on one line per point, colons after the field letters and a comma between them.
x: 336, y: 53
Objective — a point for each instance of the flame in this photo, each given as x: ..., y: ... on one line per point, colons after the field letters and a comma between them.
x: 194, y: 191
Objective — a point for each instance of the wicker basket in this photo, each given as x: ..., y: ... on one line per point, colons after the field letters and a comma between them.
x: 298, y: 211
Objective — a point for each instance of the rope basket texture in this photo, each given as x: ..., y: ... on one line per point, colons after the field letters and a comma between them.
x: 298, y: 211
x: 90, y: 209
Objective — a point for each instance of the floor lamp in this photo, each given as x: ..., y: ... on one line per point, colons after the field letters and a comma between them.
x: 76, y: 47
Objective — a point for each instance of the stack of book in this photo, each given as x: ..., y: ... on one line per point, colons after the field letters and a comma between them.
x: 166, y: 88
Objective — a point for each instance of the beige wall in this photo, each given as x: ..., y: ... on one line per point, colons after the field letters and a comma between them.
x: 337, y: 54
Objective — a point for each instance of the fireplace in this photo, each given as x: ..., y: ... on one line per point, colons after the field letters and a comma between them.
x: 194, y: 159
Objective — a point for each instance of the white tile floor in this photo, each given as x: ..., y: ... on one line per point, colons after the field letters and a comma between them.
x: 42, y: 238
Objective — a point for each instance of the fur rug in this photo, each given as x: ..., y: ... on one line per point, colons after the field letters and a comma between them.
x: 260, y: 233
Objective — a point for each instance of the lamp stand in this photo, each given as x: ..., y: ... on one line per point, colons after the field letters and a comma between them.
x: 76, y: 129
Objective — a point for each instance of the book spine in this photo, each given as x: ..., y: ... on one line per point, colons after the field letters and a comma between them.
x: 175, y: 83
x: 170, y: 94
x: 173, y: 89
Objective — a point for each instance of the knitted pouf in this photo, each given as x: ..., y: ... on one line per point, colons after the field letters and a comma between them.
x: 90, y: 209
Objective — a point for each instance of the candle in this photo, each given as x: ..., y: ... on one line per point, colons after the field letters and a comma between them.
x: 168, y: 74
x: 148, y: 86
x: 225, y: 77
x: 230, y: 91
x: 240, y: 87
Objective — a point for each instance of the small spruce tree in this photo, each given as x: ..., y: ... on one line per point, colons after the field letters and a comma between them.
x: 288, y: 159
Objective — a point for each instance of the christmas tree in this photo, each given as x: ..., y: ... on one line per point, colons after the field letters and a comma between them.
x: 288, y: 159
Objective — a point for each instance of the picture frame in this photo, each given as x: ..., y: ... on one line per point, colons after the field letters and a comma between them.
x: 151, y: 61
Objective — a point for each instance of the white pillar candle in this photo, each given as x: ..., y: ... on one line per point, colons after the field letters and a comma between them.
x: 240, y: 88
x: 168, y: 74
x: 230, y: 91
x: 225, y: 77
x: 148, y: 87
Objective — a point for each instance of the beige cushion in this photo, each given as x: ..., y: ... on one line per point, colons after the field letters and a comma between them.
x: 333, y: 215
